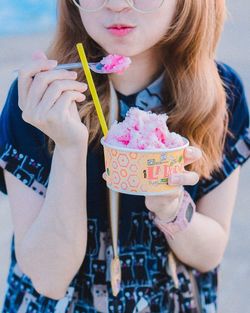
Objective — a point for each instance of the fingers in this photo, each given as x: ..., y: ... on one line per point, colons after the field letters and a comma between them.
x: 35, y: 67
x: 55, y: 90
x: 26, y: 74
x: 191, y: 154
x: 104, y: 176
x: 44, y: 79
x: 185, y: 178
x: 40, y: 118
x: 60, y: 108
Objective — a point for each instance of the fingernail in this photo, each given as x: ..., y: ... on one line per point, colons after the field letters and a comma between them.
x: 84, y: 87
x: 175, y: 180
x: 189, y: 152
x: 83, y: 97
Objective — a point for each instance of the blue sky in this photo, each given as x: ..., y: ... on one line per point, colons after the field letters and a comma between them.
x: 26, y: 16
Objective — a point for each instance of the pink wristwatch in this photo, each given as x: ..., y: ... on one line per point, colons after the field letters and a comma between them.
x: 181, y: 221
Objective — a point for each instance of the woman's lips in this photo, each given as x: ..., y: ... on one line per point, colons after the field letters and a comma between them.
x: 120, y: 30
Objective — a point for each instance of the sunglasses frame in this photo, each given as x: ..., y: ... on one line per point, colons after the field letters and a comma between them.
x: 76, y: 2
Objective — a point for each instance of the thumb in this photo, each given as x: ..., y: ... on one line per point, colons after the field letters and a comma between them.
x: 39, y: 55
x: 104, y: 176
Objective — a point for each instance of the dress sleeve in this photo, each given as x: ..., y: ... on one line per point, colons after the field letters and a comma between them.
x: 23, y: 148
x: 237, y: 145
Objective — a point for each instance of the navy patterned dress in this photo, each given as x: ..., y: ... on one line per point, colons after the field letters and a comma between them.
x: 147, y: 285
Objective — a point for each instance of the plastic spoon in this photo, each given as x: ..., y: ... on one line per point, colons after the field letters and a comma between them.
x: 112, y: 63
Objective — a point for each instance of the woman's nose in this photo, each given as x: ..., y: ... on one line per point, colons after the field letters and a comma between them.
x: 118, y: 5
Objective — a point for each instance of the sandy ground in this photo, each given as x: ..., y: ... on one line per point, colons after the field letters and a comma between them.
x: 235, y: 50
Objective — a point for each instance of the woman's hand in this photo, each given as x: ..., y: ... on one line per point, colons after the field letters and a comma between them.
x: 166, y: 206
x: 48, y: 99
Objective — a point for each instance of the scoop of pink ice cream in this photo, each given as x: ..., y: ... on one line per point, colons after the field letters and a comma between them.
x: 143, y: 130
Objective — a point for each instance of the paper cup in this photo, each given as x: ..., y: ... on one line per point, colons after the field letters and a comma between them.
x: 142, y: 172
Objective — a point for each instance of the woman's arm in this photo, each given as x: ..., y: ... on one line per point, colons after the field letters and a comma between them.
x: 50, y: 247
x: 51, y: 243
x: 203, y: 243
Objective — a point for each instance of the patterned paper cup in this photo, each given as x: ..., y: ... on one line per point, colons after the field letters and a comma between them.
x: 142, y: 172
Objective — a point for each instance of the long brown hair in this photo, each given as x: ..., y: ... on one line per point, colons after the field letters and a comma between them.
x: 194, y: 96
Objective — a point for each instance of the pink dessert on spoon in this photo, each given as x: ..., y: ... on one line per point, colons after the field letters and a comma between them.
x: 112, y: 63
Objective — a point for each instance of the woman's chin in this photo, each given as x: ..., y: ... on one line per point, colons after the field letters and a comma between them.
x: 120, y: 49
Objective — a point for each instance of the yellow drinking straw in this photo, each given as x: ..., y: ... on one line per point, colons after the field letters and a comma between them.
x: 114, y: 197
x: 92, y: 88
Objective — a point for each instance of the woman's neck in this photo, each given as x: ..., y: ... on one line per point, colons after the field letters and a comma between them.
x: 141, y: 72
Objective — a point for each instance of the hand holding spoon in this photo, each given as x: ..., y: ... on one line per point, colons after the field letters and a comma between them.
x: 112, y: 63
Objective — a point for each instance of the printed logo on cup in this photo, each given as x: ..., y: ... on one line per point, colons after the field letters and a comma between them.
x: 142, y: 172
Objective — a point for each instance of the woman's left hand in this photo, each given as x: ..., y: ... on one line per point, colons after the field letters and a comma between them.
x: 166, y: 206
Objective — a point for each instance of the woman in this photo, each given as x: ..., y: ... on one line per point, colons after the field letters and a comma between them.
x: 62, y: 249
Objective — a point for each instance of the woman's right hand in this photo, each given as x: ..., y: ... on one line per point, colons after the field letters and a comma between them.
x: 48, y: 99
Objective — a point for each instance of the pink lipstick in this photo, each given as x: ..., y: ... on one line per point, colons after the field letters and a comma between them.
x: 120, y: 30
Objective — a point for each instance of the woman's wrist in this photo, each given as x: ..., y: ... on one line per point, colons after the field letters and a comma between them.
x: 78, y: 139
x: 169, y: 214
x: 182, y: 219
x: 79, y: 143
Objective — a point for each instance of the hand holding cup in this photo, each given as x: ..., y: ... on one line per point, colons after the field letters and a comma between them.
x: 166, y: 206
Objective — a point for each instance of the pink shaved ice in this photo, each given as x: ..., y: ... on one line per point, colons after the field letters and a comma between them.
x: 115, y: 63
x: 144, y: 131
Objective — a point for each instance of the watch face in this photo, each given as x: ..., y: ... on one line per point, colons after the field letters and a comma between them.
x: 189, y: 212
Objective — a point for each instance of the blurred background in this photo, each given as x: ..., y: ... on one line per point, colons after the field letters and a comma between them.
x: 28, y: 25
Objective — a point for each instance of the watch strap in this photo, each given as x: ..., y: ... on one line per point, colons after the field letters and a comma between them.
x: 182, y: 219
